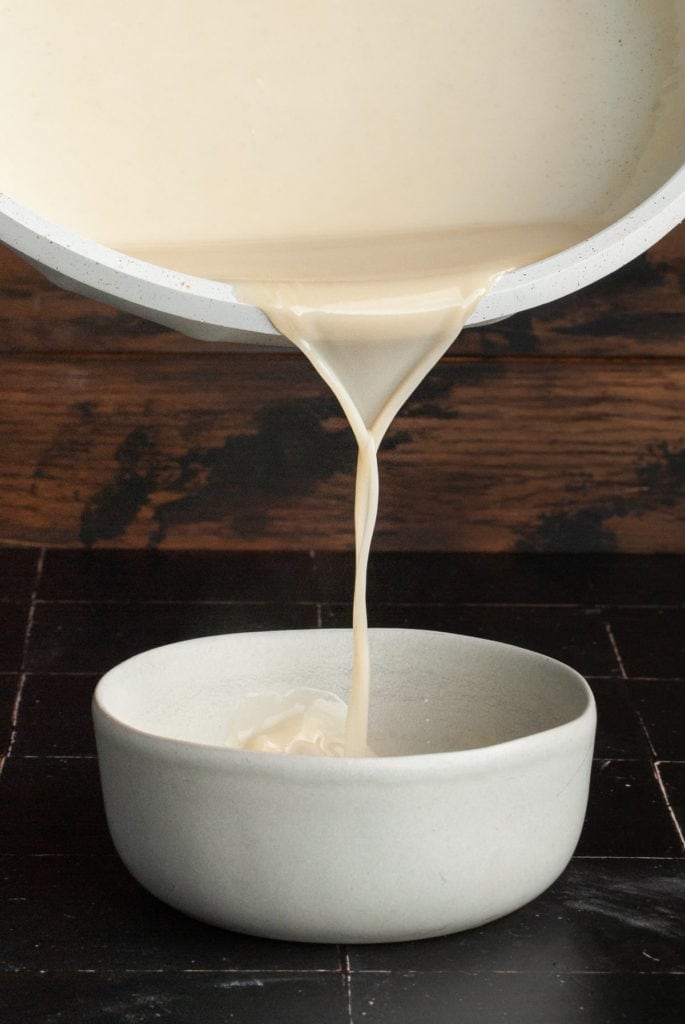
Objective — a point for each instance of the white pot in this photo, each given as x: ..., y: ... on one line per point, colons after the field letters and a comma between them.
x: 475, y: 809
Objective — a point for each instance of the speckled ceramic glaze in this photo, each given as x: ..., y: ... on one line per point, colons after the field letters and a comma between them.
x: 473, y: 809
x: 210, y: 311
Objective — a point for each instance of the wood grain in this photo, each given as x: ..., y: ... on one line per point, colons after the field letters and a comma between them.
x: 560, y: 429
x: 204, y: 452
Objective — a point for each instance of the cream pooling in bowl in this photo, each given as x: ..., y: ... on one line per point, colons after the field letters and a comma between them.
x: 300, y: 721
x: 367, y: 170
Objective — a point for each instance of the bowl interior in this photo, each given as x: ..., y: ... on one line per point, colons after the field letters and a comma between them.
x: 431, y: 692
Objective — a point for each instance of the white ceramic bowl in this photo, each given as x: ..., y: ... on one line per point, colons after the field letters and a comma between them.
x: 474, y: 809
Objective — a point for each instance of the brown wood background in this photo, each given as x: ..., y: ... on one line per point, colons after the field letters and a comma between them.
x: 562, y: 429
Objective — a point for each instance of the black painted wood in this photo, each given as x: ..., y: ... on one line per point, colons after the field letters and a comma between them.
x: 81, y: 941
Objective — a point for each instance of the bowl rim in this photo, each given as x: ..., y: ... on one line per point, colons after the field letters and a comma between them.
x: 473, y: 760
x: 216, y: 304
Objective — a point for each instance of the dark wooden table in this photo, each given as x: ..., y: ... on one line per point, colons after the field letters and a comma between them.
x: 561, y: 429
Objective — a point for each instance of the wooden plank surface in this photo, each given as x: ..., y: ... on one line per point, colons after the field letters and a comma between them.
x: 560, y: 429
x: 202, y: 452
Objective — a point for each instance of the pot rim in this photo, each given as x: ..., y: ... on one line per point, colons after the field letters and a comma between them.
x: 216, y: 304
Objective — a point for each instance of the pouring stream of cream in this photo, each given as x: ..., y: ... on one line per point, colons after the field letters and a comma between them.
x: 361, y: 170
